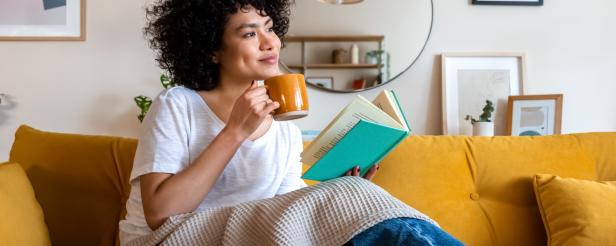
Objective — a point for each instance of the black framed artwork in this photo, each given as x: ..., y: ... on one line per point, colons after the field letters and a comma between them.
x: 510, y: 2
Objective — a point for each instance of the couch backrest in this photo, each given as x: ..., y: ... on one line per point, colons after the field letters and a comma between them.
x: 477, y: 188
x: 80, y: 181
x: 602, y: 147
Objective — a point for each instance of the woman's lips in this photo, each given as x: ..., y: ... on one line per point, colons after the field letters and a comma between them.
x: 270, y: 60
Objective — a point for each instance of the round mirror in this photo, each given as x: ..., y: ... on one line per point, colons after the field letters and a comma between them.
x: 355, y: 47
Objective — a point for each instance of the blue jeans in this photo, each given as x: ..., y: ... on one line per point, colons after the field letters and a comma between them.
x: 403, y: 231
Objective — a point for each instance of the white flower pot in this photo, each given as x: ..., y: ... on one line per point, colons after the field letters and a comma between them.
x: 371, y: 60
x: 483, y: 129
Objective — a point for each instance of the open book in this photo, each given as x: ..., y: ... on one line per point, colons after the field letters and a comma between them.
x: 360, y: 135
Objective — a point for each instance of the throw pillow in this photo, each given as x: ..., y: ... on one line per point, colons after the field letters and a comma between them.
x: 577, y: 212
x: 22, y: 220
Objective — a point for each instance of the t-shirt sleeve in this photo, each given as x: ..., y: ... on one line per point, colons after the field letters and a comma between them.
x: 163, y: 139
x: 293, y: 181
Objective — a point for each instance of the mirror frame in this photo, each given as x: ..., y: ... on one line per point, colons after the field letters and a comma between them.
x: 284, y: 66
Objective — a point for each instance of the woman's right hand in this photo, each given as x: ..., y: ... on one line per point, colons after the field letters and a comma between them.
x: 249, y: 110
x: 355, y: 171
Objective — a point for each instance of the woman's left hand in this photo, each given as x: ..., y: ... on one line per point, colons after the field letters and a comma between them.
x: 369, y: 175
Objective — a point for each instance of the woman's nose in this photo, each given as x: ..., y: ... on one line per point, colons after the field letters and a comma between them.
x: 268, y: 41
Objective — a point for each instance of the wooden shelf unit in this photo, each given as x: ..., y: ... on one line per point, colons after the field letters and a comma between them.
x: 353, y: 38
x: 358, y: 38
x: 334, y: 66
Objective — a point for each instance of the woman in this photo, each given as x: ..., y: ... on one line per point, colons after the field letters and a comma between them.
x: 212, y: 141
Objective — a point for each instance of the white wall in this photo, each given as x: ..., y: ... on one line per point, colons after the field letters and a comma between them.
x: 87, y: 87
x: 80, y: 87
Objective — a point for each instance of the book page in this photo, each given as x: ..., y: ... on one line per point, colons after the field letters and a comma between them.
x: 360, y: 108
x: 387, y: 103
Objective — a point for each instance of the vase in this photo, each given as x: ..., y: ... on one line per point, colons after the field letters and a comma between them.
x: 338, y: 56
x: 354, y: 54
x: 483, y: 129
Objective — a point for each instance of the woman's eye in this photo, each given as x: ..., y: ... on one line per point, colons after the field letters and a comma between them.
x: 271, y: 29
x: 249, y: 35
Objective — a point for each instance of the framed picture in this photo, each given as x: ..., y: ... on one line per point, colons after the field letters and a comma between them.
x: 41, y: 20
x: 510, y: 2
x: 534, y: 115
x: 469, y: 79
x: 325, y: 82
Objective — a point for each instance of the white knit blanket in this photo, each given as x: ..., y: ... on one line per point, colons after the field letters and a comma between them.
x: 329, y: 213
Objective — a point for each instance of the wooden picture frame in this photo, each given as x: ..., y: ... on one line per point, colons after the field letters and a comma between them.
x: 321, y: 81
x: 52, y: 21
x: 471, y: 78
x: 534, y: 115
x: 510, y: 2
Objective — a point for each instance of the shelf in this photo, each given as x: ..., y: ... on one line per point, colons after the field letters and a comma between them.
x: 360, y: 38
x: 335, y: 66
x: 305, y: 45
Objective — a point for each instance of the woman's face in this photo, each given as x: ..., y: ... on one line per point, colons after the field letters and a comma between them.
x: 250, y: 47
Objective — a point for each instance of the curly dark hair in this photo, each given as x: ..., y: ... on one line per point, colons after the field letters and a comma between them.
x: 186, y: 33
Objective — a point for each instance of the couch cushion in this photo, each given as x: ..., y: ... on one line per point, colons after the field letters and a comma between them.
x: 80, y: 181
x: 22, y: 220
x: 577, y: 212
x: 480, y: 189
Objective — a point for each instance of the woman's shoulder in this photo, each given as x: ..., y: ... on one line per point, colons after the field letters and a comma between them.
x: 177, y: 94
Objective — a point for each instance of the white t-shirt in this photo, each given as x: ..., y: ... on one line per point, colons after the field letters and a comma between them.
x: 179, y: 126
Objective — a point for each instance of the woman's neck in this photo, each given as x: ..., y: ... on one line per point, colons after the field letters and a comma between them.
x: 231, y: 88
x: 222, y: 98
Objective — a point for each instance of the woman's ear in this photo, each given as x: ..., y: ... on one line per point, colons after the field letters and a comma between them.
x: 216, y: 57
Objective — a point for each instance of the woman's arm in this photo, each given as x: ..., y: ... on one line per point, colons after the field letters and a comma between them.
x: 166, y: 194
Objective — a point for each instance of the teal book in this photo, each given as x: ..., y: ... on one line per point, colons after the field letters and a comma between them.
x: 362, y: 134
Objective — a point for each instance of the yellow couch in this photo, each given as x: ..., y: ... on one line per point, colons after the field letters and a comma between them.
x: 478, y: 188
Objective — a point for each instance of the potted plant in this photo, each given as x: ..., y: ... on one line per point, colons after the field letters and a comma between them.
x: 374, y: 56
x: 144, y: 102
x: 380, y: 57
x: 484, y: 126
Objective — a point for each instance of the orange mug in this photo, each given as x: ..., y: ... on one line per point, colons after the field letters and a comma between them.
x: 289, y: 90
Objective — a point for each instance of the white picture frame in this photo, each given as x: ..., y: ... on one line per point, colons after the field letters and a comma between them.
x: 323, y: 81
x: 471, y: 78
x: 42, y: 20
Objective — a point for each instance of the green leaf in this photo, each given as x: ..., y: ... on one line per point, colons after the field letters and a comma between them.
x: 144, y: 103
x: 166, y: 81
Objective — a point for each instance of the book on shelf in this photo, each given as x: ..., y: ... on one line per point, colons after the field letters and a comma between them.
x: 362, y: 134
x: 359, y: 84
